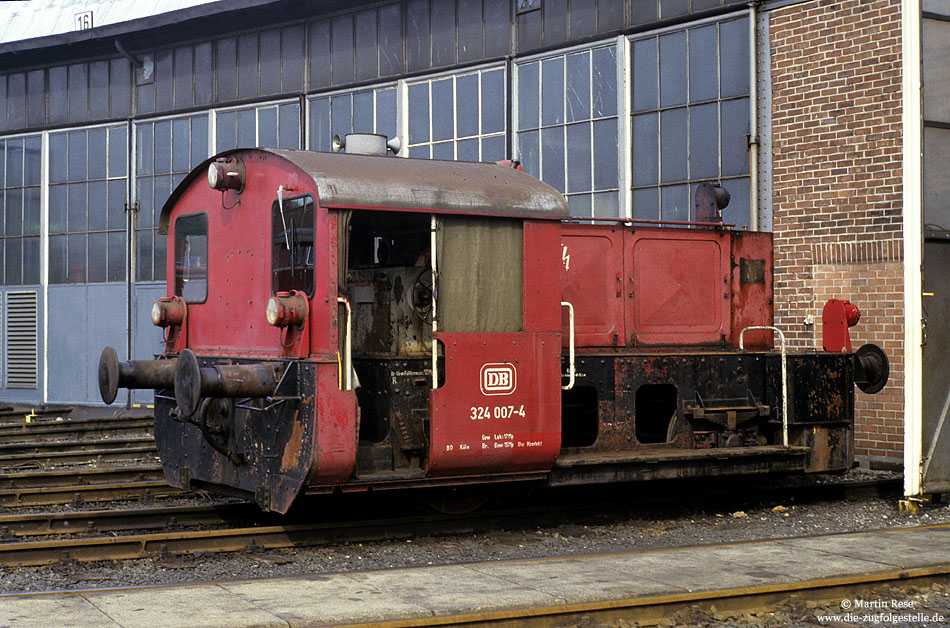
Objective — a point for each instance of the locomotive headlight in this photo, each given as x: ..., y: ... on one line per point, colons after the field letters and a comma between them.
x: 168, y: 311
x: 286, y: 309
x: 227, y: 174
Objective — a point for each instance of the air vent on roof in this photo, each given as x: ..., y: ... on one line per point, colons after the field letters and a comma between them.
x: 21, y: 339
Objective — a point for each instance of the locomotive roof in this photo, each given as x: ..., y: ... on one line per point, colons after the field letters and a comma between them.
x: 368, y: 181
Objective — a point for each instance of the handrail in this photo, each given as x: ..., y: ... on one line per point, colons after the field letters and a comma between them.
x: 570, y: 328
x: 784, y: 374
x: 347, y: 344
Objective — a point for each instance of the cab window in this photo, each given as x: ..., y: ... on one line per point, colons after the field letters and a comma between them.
x: 292, y: 250
x: 191, y: 258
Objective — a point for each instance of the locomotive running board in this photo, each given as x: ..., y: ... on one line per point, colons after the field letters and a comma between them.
x: 635, y: 466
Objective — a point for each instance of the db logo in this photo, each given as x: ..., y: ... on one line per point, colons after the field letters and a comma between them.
x: 498, y: 379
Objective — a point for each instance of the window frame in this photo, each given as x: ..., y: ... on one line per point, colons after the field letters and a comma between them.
x: 311, y: 289
x: 179, y: 288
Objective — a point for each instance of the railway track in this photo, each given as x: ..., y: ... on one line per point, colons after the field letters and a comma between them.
x: 116, y: 535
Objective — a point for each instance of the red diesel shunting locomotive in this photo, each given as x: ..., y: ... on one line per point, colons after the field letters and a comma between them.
x: 354, y: 322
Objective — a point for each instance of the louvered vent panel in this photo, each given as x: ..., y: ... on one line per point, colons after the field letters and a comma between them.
x: 21, y: 339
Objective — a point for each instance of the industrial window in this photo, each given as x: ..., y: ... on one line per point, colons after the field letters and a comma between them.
x: 567, y: 127
x: 459, y: 116
x: 20, y: 205
x: 87, y: 194
x: 292, y: 249
x: 270, y: 126
x: 191, y: 258
x: 936, y: 48
x: 365, y: 111
x: 165, y: 151
x: 690, y: 118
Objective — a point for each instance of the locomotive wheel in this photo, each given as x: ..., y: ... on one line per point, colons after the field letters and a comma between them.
x: 458, y: 500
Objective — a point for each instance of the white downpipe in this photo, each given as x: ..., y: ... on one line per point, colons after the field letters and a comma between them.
x: 913, y: 247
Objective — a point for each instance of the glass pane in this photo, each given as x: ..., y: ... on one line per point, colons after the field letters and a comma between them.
x: 386, y: 112
x: 57, y: 157
x: 936, y: 44
x: 289, y: 123
x: 443, y: 150
x: 13, y: 269
x: 32, y: 161
x: 76, y: 258
x: 15, y: 163
x: 116, y: 256
x: 578, y: 157
x: 528, y: 96
x: 673, y: 69
x: 225, y: 131
x: 737, y: 211
x: 443, y: 110
x: 466, y: 95
x: 191, y: 254
x: 552, y: 91
x: 604, y: 82
x: 57, y: 103
x: 13, y: 212
x: 493, y: 101
x: 163, y: 187
x: 468, y: 150
x: 57, y: 259
x: 57, y: 208
x: 246, y: 129
x: 31, y: 261
x: 552, y: 157
x: 734, y: 58
x: 673, y: 147
x: 145, y: 196
x: 529, y: 153
x: 578, y: 86
x: 267, y: 127
x: 98, y: 206
x: 97, y: 153
x: 161, y: 244
x: 419, y: 152
x: 116, y: 205
x: 605, y: 154
x: 704, y: 141
x: 199, y: 140
x: 77, y: 207
x: 675, y: 202
x: 181, y: 145
x: 579, y: 205
x: 735, y: 128
x: 363, y: 118
x: 320, y: 135
x: 118, y: 152
x: 646, y: 204
x: 419, y: 113
x: 646, y: 150
x: 937, y: 177
x: 143, y: 149
x: 493, y: 148
x: 143, y: 255
x: 163, y: 146
x: 606, y: 205
x: 77, y: 156
x: 97, y: 257
x: 645, y: 87
x: 703, y: 66
x: 31, y: 211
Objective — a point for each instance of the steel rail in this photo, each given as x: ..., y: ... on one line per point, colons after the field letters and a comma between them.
x: 70, y: 477
x: 85, y: 493
x: 96, y: 456
x: 21, y: 525
x: 9, y: 449
x: 73, y: 430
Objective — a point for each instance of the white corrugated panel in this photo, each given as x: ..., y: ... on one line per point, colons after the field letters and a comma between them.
x: 41, y: 18
x: 21, y: 339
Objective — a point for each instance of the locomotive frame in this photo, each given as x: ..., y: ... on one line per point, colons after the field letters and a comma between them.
x: 409, y: 323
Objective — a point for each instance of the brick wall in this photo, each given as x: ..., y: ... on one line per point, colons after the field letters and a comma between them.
x: 836, y: 175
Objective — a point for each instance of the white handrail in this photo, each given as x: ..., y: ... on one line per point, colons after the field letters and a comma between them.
x: 784, y: 374
x: 347, y: 344
x: 570, y: 329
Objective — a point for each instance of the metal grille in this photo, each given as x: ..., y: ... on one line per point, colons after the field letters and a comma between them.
x: 21, y: 339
